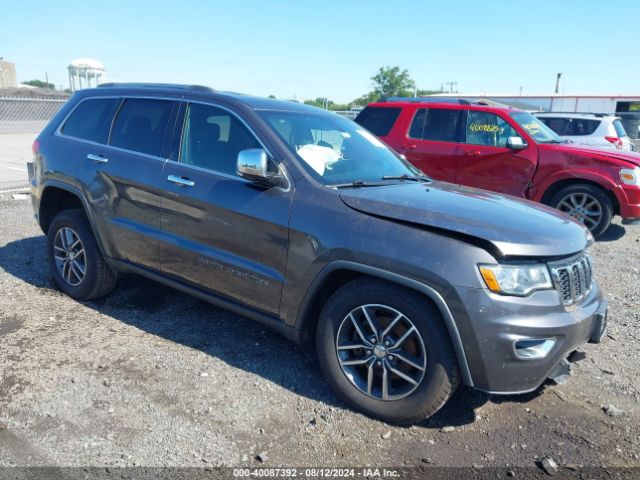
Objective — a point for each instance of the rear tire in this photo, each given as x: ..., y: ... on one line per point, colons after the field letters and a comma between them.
x: 405, y: 402
x: 76, y: 263
x: 588, y: 204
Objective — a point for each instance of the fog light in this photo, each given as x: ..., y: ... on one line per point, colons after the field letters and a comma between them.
x: 534, y: 348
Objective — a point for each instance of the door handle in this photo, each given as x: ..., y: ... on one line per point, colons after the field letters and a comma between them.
x: 410, y: 146
x: 183, y: 182
x: 472, y: 153
x: 97, y: 158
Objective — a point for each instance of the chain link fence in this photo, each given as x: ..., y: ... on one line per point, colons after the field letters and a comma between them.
x: 22, y: 118
x: 631, y: 123
x: 21, y: 115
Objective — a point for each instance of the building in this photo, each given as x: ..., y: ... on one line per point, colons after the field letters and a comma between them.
x: 8, y: 78
x: 560, y: 103
x: 86, y: 73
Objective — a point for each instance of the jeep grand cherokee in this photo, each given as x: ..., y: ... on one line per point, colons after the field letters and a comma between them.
x: 303, y: 220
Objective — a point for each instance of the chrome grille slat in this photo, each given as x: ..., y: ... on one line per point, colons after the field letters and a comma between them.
x: 572, y: 278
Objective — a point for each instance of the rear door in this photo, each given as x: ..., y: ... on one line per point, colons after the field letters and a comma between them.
x: 122, y: 180
x: 221, y: 232
x: 486, y: 162
x: 431, y: 142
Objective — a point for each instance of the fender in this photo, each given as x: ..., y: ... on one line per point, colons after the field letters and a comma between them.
x: 427, y: 290
x: 604, y: 181
x: 51, y: 183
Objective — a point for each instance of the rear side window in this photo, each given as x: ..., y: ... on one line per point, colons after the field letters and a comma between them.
x: 378, y: 120
x: 617, y: 124
x: 558, y: 125
x: 140, y: 125
x: 437, y: 124
x: 571, y: 126
x: 91, y: 119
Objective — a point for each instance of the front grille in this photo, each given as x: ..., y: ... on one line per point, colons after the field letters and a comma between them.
x: 572, y: 278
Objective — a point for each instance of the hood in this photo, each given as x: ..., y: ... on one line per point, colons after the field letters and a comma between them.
x: 602, y: 153
x: 513, y: 227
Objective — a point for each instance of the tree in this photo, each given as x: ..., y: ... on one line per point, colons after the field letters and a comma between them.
x: 40, y: 84
x: 392, y: 82
x: 388, y: 82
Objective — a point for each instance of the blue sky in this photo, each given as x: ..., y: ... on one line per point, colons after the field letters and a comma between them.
x: 331, y: 48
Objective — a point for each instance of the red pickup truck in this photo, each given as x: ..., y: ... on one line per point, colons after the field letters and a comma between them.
x: 512, y: 152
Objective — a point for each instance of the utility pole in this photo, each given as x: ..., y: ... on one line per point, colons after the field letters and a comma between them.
x: 558, y: 82
x: 451, y: 85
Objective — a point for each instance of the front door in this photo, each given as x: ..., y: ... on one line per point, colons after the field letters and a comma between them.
x: 221, y: 232
x: 486, y: 162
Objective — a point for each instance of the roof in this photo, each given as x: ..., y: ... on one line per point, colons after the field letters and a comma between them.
x: 440, y: 102
x: 257, y: 103
x: 575, y: 114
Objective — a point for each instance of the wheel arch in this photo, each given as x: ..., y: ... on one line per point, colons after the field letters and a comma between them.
x: 557, y: 185
x: 338, y: 273
x: 58, y: 196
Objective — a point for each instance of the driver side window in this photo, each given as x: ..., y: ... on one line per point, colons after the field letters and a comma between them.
x: 212, y: 138
x: 485, y: 128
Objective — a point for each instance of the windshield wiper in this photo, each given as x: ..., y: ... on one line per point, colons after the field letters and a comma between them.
x: 404, y: 176
x: 358, y: 184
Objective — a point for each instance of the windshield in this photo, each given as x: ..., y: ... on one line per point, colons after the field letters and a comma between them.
x: 336, y: 150
x: 534, y: 127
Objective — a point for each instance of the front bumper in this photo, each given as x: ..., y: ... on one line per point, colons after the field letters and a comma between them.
x: 497, y: 322
x: 628, y: 197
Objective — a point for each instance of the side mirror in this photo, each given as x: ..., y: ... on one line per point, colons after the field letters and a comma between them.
x: 516, y: 143
x: 253, y: 164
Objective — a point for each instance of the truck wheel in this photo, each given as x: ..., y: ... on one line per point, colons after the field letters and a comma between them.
x: 384, y: 350
x: 75, y: 260
x: 587, y: 204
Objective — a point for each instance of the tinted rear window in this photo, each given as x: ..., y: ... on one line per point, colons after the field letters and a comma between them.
x: 140, y: 125
x: 378, y: 120
x: 617, y: 124
x: 91, y: 119
x: 438, y: 124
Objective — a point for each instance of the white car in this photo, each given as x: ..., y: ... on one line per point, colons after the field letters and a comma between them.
x: 593, y: 129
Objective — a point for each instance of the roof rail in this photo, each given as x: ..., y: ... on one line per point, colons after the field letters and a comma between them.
x: 460, y: 101
x: 171, y: 86
x: 595, y: 114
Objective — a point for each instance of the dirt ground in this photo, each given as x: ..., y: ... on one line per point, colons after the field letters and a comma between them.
x: 149, y: 376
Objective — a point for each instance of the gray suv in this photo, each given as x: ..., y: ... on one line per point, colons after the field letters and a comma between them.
x: 305, y: 221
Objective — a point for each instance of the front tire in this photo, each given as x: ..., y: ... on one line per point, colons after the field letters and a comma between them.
x: 76, y: 263
x: 385, y: 351
x: 588, y: 204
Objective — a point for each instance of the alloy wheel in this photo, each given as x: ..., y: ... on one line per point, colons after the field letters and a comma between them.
x: 381, y: 352
x: 583, y: 207
x: 70, y: 256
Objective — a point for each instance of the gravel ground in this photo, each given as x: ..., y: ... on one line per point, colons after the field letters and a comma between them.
x: 152, y: 377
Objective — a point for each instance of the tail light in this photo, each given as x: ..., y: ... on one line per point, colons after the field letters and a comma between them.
x: 35, y: 147
x: 615, y: 141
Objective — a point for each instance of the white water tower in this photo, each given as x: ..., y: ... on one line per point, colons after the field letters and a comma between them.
x: 86, y: 73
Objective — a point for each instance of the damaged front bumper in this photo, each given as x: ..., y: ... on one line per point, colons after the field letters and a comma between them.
x: 522, y: 342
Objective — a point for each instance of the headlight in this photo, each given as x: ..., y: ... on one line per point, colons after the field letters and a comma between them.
x: 630, y: 176
x: 518, y: 280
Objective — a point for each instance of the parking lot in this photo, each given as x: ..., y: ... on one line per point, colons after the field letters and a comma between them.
x: 149, y: 376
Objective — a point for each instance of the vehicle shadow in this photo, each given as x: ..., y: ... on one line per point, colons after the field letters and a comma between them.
x: 613, y: 233
x: 239, y: 342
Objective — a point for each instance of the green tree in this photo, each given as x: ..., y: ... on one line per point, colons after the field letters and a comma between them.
x: 392, y: 82
x: 40, y: 84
